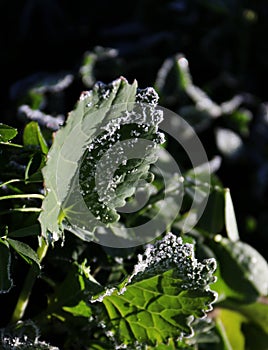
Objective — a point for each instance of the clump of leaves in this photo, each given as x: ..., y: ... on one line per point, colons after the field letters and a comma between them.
x: 104, y: 298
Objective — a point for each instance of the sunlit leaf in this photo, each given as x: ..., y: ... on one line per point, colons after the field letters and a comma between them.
x: 81, y: 309
x: 7, y: 133
x: 102, y: 117
x: 24, y: 250
x: 168, y: 289
x: 230, y: 219
x: 231, y: 328
x: 32, y: 136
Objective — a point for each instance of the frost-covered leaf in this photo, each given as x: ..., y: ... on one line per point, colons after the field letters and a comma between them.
x: 23, y: 336
x: 90, y: 61
x: 228, y: 142
x: 91, y: 168
x: 23, y: 343
x: 42, y: 118
x: 168, y: 289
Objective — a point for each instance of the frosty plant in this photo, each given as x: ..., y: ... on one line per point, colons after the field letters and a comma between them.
x: 137, y: 235
x: 103, y: 156
x: 110, y: 178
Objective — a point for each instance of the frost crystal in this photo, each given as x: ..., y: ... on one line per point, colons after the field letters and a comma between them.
x: 147, y: 95
x: 108, y: 292
x: 121, y: 154
x: 172, y: 253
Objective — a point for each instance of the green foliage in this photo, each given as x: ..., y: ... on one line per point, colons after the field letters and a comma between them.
x: 85, y: 296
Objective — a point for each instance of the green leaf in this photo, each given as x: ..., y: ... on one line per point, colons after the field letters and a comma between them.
x: 81, y: 309
x: 102, y: 117
x: 73, y: 293
x: 245, y: 326
x: 25, y: 251
x: 6, y: 282
x: 212, y: 219
x: 32, y: 136
x: 7, y: 133
x: 230, y: 220
x: 249, y: 270
x: 168, y: 289
x: 231, y: 322
x: 256, y: 313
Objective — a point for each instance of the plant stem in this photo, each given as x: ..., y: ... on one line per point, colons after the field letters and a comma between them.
x: 31, y: 195
x: 28, y: 285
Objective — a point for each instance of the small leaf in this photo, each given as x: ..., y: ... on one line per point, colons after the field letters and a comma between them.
x: 25, y: 251
x: 7, y: 133
x: 81, y: 309
x: 6, y: 282
x: 32, y: 136
x: 230, y: 220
